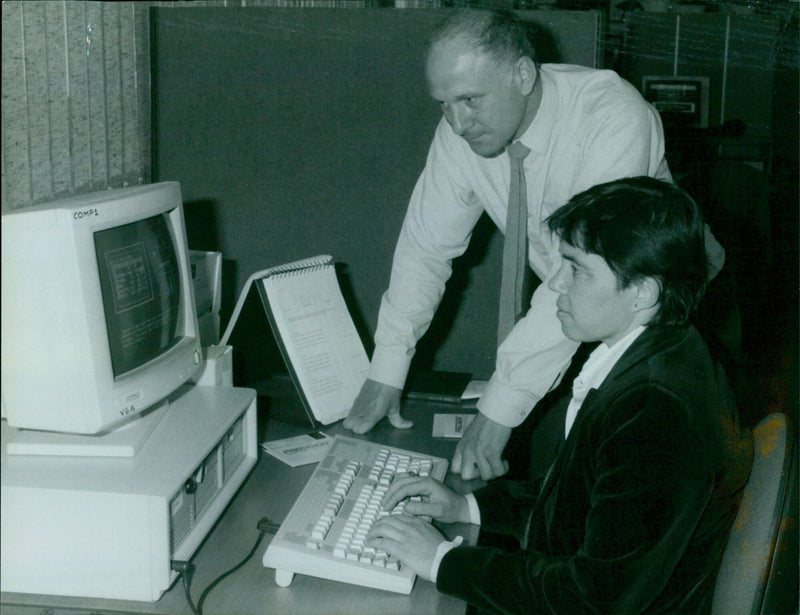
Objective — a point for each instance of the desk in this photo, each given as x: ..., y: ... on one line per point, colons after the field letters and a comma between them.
x: 270, y: 491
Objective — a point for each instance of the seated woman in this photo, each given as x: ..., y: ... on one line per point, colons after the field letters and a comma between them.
x: 635, y: 510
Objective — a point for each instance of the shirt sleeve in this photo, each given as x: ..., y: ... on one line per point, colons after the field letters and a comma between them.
x: 474, y: 511
x: 437, y: 228
x: 443, y: 549
x: 530, y: 361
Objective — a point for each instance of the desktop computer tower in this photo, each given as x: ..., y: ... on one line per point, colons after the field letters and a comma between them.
x: 109, y: 527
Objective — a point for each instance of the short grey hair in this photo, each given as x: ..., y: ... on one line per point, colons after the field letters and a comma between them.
x: 497, y: 32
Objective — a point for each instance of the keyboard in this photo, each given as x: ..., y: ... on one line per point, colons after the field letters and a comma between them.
x: 323, y: 534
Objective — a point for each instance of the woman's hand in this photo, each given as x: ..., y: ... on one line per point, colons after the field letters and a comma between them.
x: 438, y: 501
x: 410, y: 539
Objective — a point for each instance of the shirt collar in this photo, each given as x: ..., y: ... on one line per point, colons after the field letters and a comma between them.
x: 594, y: 372
x: 603, y: 359
x: 537, y: 136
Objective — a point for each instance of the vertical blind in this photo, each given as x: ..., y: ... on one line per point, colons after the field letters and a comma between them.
x: 76, y: 94
x: 75, y: 98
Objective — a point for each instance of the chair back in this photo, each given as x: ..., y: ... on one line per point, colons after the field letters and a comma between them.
x: 748, y: 556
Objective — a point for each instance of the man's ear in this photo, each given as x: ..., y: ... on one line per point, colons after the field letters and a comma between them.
x: 525, y: 75
x: 648, y: 294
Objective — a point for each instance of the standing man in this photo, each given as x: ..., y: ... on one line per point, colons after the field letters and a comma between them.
x: 577, y: 127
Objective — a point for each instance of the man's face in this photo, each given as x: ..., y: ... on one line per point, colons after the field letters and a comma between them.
x: 591, y: 306
x: 480, y: 98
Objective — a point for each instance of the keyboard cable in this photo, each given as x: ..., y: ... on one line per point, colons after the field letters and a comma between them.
x: 186, y: 569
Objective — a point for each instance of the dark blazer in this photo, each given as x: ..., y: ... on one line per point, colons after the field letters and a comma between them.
x: 634, y: 514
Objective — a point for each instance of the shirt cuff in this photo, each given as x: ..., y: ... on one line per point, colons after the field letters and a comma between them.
x: 389, y: 367
x: 443, y: 549
x: 505, y: 406
x: 474, y: 510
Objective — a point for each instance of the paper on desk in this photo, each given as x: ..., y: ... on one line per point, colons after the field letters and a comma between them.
x: 451, y: 425
x: 299, y: 450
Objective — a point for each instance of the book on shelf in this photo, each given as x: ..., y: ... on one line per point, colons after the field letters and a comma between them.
x: 315, y: 333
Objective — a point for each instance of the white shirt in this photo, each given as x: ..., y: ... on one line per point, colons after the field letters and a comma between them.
x: 594, y: 371
x: 591, y: 127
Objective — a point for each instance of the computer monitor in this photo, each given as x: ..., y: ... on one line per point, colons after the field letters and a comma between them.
x: 681, y: 100
x: 98, y: 313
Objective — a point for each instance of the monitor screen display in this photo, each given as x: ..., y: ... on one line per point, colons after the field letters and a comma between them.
x: 140, y: 286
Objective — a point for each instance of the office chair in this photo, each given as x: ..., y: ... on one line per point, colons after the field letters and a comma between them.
x: 748, y: 558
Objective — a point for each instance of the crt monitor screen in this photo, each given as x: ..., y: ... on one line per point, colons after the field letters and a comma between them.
x: 140, y: 285
x: 98, y: 311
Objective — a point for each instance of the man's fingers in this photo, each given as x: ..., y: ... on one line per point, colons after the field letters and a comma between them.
x: 480, y: 449
x: 469, y: 472
x: 490, y: 465
x: 462, y: 461
x: 373, y: 402
x: 484, y: 466
x: 469, y: 467
x: 361, y: 423
x: 398, y: 421
x: 499, y: 467
x: 455, y: 464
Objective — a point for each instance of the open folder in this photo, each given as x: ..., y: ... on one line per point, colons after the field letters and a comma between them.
x: 315, y: 333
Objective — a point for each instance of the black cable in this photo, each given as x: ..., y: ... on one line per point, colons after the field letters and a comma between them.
x: 264, y: 525
x: 186, y: 571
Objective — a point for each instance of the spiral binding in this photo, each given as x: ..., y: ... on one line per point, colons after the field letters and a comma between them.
x: 304, y: 266
x: 307, y: 265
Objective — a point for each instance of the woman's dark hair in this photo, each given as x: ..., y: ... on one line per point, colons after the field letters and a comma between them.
x: 643, y: 228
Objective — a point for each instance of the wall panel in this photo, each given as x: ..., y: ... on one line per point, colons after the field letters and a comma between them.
x: 298, y: 132
x: 736, y: 52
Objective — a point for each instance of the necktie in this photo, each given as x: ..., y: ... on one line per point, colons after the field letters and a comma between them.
x: 515, y: 246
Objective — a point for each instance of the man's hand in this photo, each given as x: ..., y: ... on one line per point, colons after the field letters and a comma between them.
x: 438, y: 501
x: 478, y: 452
x: 374, y: 401
x: 410, y: 539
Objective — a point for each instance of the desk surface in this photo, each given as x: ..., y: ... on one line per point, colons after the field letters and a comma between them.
x: 270, y: 491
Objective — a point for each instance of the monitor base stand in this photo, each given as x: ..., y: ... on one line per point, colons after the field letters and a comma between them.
x: 124, y: 441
